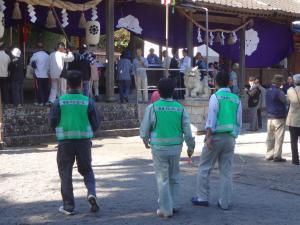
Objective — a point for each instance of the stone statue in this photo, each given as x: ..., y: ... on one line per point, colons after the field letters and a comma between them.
x: 194, y: 87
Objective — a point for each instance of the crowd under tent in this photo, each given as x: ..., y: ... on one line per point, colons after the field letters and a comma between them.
x: 256, y: 34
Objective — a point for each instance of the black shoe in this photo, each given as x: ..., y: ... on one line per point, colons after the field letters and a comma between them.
x: 176, y: 210
x: 93, y: 202
x: 126, y: 99
x: 279, y: 160
x: 295, y: 163
x: 196, y: 202
x: 270, y: 158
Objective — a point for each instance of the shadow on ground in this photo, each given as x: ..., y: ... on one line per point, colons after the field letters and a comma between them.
x: 127, y: 192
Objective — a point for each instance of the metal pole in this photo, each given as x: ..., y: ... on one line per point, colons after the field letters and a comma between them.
x: 167, y: 39
x: 206, y: 39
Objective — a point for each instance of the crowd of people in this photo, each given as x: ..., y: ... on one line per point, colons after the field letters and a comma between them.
x: 48, y: 72
x: 137, y: 66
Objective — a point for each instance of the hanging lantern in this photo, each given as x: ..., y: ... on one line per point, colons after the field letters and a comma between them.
x: 51, y: 22
x: 92, y: 31
x: 222, y: 39
x: 218, y: 38
x: 17, y: 15
x: 199, y: 38
x: 2, y: 27
x: 211, y: 38
x: 231, y: 40
x: 82, y: 21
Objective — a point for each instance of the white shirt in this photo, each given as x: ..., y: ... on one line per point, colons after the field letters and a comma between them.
x: 213, y: 110
x: 185, y: 64
x: 57, y: 60
x: 4, y: 62
x: 166, y: 61
x: 42, y: 60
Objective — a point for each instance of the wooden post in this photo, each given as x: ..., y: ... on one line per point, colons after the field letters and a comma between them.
x: 241, y: 77
x: 1, y: 124
x: 189, y: 37
x: 110, y: 49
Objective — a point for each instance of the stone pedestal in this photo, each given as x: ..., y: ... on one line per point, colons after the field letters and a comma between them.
x: 197, y: 109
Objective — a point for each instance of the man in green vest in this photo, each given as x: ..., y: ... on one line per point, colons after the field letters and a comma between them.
x: 222, y: 128
x: 74, y: 118
x: 165, y: 126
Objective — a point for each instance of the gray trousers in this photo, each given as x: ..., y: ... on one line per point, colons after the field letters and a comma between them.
x: 167, y: 176
x: 67, y: 152
x: 276, y: 129
x: 253, y: 118
x: 223, y: 151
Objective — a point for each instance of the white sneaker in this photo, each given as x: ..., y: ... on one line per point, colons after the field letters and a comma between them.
x: 68, y: 213
x: 162, y: 215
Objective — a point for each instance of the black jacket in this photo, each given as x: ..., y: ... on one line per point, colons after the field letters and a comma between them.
x: 83, y: 65
x: 16, y: 69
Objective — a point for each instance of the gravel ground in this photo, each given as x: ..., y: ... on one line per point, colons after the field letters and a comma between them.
x: 264, y: 192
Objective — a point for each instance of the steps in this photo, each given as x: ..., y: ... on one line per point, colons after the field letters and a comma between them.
x: 29, y: 126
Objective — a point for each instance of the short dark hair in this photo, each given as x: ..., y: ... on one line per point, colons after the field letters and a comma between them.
x: 61, y: 45
x: 74, y: 78
x: 222, y: 79
x: 252, y: 78
x: 166, y: 87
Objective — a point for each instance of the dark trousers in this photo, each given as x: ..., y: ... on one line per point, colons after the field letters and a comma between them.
x: 124, y: 88
x: 68, y: 152
x: 42, y: 85
x: 17, y: 92
x: 4, y: 90
x: 259, y: 118
x: 180, y: 84
x: 294, y: 134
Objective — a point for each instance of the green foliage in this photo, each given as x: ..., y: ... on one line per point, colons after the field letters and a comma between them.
x: 121, y: 40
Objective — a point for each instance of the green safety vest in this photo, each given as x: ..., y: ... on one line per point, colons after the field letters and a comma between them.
x: 74, y: 122
x: 168, y: 127
x: 227, y: 114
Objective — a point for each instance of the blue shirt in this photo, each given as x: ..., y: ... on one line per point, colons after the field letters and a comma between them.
x: 124, y: 69
x: 276, y: 103
x: 153, y: 59
x: 139, y: 65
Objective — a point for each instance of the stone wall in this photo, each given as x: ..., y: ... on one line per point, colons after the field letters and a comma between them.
x: 30, y: 124
x: 197, y: 110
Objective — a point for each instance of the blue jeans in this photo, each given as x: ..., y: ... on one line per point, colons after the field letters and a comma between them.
x: 86, y: 88
x: 124, y: 88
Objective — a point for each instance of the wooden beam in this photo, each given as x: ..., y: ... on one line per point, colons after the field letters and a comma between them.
x: 110, y: 49
x: 242, y: 75
x: 218, y: 19
x: 189, y: 37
